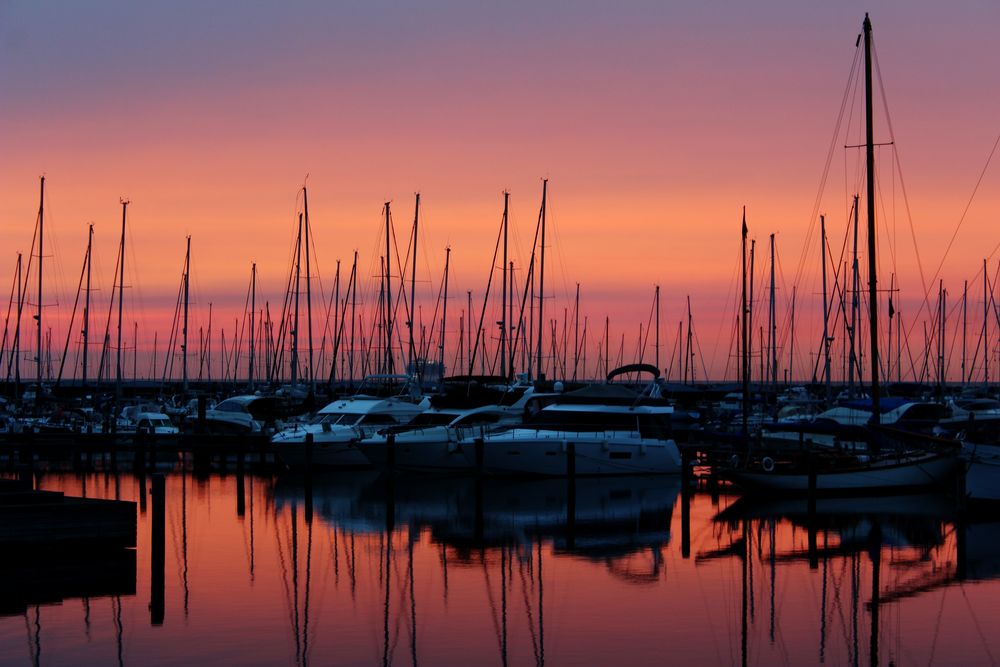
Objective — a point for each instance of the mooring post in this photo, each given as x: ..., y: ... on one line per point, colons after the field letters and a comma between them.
x: 202, y: 408
x: 390, y: 451
x: 308, y: 480
x: 813, y: 557
x: 480, y: 450
x: 158, y: 548
x: 240, y: 483
x: 141, y: 473
x: 571, y: 460
x: 685, y: 503
x: 571, y: 511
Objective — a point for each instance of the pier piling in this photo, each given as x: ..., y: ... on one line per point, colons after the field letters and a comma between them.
x: 157, y: 548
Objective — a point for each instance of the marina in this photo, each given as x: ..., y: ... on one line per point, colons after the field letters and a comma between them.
x: 431, y: 451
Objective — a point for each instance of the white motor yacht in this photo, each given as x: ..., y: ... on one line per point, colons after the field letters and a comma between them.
x: 606, y: 440
x: 432, y: 441
x: 337, y: 428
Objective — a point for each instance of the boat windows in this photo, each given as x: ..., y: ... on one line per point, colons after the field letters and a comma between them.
x: 230, y: 406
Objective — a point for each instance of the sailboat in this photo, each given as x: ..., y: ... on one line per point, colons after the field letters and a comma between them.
x: 893, y: 459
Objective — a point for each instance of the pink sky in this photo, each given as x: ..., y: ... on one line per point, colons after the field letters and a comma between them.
x: 654, y: 124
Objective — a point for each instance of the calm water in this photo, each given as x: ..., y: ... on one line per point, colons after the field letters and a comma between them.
x: 447, y: 572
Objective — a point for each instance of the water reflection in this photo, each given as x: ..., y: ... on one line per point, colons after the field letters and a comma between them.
x: 359, y: 568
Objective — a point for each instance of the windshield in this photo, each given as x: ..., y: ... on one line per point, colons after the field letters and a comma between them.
x: 342, y: 418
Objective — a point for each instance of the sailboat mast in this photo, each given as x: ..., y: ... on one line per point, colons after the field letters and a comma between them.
x: 872, y: 279
x: 541, y: 279
x: 826, y: 309
x: 253, y: 335
x: 576, y: 332
x: 744, y: 361
x: 41, y: 254
x: 309, y: 312
x: 413, y: 286
x: 503, y: 293
x: 295, y: 324
x: 444, y: 310
x: 184, y: 331
x: 86, y: 305
x: 852, y: 360
x: 354, y: 319
x: 121, y: 290
x: 657, y: 323
x: 773, y: 333
x: 388, y: 294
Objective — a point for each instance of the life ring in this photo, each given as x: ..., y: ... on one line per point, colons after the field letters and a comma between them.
x: 767, y: 463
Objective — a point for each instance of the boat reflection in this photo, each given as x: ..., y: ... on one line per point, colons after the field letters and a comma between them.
x: 594, y: 518
x: 913, y: 545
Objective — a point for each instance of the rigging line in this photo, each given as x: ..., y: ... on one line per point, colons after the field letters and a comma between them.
x: 853, y: 72
x: 968, y: 205
x: 902, y: 185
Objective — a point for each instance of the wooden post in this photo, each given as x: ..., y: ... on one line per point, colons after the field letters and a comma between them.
x: 240, y: 482
x: 157, y: 547
x: 202, y: 409
x: 813, y: 558
x: 480, y: 454
x: 571, y: 512
x: 571, y: 460
x: 390, y: 451
x: 685, y: 504
x: 308, y: 478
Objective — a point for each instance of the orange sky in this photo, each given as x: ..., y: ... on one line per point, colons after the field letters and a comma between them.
x: 655, y: 125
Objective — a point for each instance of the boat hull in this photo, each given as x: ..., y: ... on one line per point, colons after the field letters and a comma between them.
x: 547, y: 453
x: 880, y: 476
x: 335, y: 449
x: 982, y: 472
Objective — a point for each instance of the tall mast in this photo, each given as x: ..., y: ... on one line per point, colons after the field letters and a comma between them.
x: 576, y: 332
x: 744, y: 361
x: 184, y: 331
x: 17, y: 332
x: 791, y: 340
x: 753, y: 250
x: 503, y: 294
x: 852, y: 359
x: 773, y: 333
x: 657, y: 324
x: 41, y: 254
x: 965, y: 298
x: 413, y: 285
x: 388, y: 294
x: 86, y: 304
x: 295, y: 324
x: 872, y: 278
x: 986, y: 328
x: 253, y: 330
x: 354, y: 305
x: 208, y: 344
x: 541, y: 277
x: 444, y: 310
x: 121, y: 289
x: 826, y: 309
x: 309, y: 312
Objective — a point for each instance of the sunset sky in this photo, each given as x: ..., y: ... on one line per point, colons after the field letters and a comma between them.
x: 654, y: 122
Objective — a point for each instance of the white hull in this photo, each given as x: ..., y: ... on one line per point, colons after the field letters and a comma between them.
x: 337, y: 447
x: 880, y: 476
x: 425, y: 452
x: 522, y: 451
x: 982, y: 472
